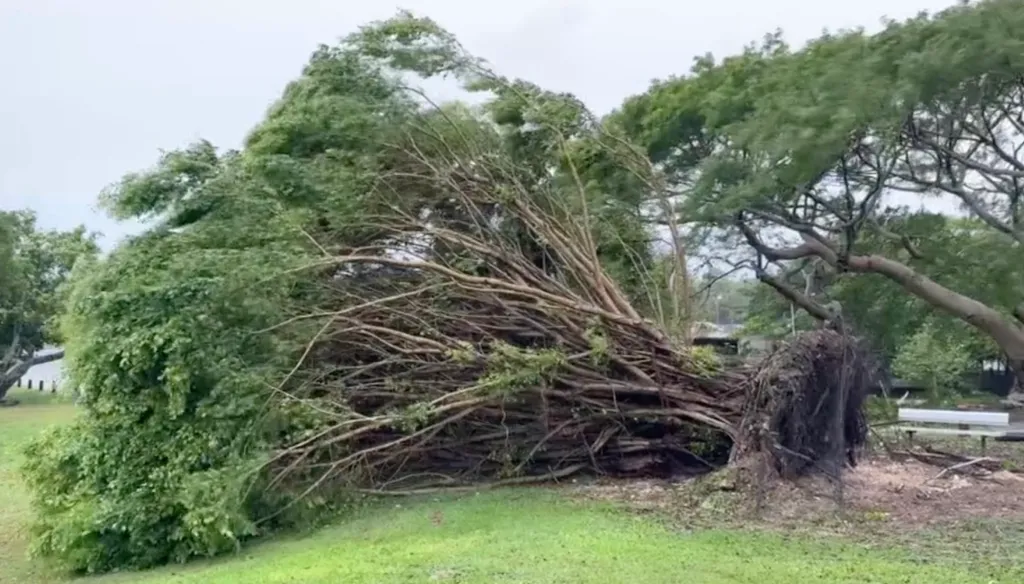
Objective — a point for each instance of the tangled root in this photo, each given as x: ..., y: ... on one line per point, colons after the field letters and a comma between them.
x: 805, y: 406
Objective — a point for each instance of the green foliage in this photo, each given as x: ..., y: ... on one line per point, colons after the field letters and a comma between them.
x: 880, y: 409
x: 808, y: 146
x: 928, y: 360
x: 705, y: 361
x: 414, y: 417
x: 465, y: 353
x: 173, y: 190
x: 599, y: 344
x: 176, y: 341
x: 34, y: 264
x: 162, y: 346
x: 164, y: 343
x: 510, y: 368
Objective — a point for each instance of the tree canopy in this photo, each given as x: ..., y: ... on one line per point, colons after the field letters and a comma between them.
x: 34, y: 265
x: 802, y: 155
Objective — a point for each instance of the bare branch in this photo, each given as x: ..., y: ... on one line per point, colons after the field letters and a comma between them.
x: 791, y: 294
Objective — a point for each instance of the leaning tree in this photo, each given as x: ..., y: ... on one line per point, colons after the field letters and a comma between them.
x: 962, y: 253
x: 33, y: 265
x: 812, y: 157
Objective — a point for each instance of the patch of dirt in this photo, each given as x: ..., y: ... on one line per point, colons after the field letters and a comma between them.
x: 903, y: 494
x: 910, y: 493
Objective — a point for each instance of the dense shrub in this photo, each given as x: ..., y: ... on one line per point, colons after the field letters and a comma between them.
x: 168, y: 338
x: 174, y: 386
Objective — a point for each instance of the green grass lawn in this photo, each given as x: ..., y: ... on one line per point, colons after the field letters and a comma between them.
x: 525, y: 536
x: 18, y: 425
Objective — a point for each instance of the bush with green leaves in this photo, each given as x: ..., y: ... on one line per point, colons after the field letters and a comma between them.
x: 937, y: 363
x: 172, y: 339
x: 175, y: 381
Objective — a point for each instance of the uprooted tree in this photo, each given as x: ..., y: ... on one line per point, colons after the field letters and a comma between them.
x: 33, y: 266
x: 379, y: 294
x: 814, y: 159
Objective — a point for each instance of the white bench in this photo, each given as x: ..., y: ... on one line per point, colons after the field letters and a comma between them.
x: 981, y: 424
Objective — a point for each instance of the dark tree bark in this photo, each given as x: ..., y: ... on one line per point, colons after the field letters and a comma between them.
x: 813, y: 307
x: 10, y: 373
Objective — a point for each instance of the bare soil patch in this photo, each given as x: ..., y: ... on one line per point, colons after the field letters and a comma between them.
x: 905, y: 494
x: 910, y: 493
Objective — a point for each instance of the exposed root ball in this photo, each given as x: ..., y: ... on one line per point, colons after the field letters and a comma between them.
x: 805, y: 407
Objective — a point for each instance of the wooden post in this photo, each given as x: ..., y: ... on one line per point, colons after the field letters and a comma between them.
x: 30, y: 384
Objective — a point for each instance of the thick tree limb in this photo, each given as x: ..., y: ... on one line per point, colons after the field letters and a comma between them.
x: 815, y: 309
x: 773, y: 254
x: 13, y: 351
x: 964, y: 307
x: 1010, y: 338
x: 15, y: 372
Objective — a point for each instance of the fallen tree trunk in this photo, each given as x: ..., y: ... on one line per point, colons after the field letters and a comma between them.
x: 449, y: 357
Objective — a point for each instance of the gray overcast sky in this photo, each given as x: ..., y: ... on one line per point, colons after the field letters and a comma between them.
x: 94, y: 89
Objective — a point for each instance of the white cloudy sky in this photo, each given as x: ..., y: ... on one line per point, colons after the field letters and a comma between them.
x: 91, y: 90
